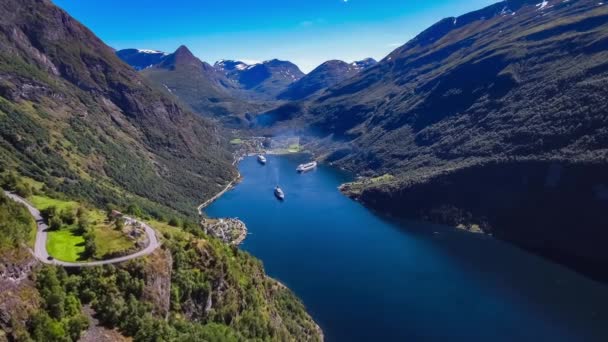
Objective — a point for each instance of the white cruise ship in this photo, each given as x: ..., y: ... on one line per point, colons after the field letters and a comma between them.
x: 279, y: 193
x: 307, y: 166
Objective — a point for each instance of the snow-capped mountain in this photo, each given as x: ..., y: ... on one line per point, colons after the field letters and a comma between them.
x: 324, y: 76
x: 266, y: 79
x: 141, y: 58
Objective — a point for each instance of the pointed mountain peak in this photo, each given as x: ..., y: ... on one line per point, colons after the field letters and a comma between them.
x: 184, y: 51
x: 180, y: 58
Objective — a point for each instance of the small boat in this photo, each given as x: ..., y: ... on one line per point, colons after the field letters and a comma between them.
x: 307, y: 166
x: 279, y: 193
x: 262, y: 159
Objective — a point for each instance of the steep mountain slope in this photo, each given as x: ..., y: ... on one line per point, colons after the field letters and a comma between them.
x: 141, y: 59
x: 496, y: 118
x: 77, y: 118
x: 193, y: 288
x: 324, y: 76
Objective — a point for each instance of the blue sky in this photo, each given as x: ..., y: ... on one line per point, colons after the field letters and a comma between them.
x: 306, y: 32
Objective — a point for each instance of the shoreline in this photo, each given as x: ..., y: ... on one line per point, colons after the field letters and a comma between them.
x: 228, y: 187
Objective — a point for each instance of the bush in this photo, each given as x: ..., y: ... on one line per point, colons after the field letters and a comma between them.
x: 135, y: 210
x: 9, y: 181
x: 67, y: 216
x: 16, y: 223
x: 49, y: 213
x: 119, y: 224
x: 23, y: 190
x: 90, y: 248
x: 55, y: 223
x: 174, y: 222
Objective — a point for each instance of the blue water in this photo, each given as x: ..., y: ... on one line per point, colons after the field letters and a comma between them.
x: 365, y: 278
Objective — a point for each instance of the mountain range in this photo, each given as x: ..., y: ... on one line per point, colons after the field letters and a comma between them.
x: 230, y: 88
x: 262, y: 81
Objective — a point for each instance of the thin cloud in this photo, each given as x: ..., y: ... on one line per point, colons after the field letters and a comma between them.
x: 308, y: 23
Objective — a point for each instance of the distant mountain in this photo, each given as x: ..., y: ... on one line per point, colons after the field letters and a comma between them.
x: 141, y: 59
x: 324, y: 76
x: 200, y: 86
x: 263, y: 80
x: 496, y: 119
x: 230, y: 68
x: 229, y: 90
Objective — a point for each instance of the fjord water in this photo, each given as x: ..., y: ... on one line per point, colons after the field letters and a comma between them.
x: 366, y: 278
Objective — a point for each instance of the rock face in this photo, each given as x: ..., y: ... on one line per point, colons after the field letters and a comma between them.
x: 18, y: 294
x: 513, y: 84
x: 57, y: 79
x: 159, y: 266
x: 324, y: 76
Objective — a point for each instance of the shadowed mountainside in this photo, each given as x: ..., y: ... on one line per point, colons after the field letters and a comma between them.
x: 513, y: 84
x: 324, y: 76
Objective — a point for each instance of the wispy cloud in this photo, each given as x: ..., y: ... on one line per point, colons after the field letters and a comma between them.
x: 308, y: 23
x: 394, y: 44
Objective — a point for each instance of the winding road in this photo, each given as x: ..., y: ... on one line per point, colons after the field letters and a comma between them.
x: 42, y: 254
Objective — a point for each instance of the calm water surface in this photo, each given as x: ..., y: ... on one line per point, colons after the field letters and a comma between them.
x: 365, y: 278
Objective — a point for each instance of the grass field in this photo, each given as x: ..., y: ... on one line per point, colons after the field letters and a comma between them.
x: 109, y: 240
x: 236, y: 141
x: 295, y: 148
x: 64, y: 245
x: 42, y: 202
